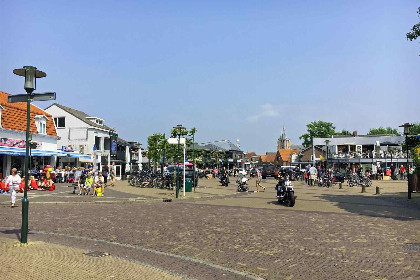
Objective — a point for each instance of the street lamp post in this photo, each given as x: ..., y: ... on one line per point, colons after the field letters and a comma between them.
x: 406, y: 132
x: 193, y: 134
x: 327, y: 142
x: 31, y: 74
x: 178, y: 128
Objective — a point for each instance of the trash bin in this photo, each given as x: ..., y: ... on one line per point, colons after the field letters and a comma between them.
x: 188, y: 185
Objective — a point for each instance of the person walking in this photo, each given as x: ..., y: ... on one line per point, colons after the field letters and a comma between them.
x: 257, y: 183
x: 14, y: 181
x: 112, y: 171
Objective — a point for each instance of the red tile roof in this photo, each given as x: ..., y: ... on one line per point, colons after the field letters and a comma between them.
x: 268, y: 158
x: 14, y: 116
x: 250, y: 155
x: 285, y: 154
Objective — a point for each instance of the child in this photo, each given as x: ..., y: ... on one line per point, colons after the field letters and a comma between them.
x: 81, y: 184
x: 88, y: 184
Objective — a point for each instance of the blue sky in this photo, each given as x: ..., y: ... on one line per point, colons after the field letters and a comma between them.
x: 232, y: 69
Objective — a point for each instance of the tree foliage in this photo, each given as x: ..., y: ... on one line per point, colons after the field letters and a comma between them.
x: 317, y: 129
x: 155, y: 145
x: 343, y: 132
x: 415, y: 31
x: 415, y: 129
x: 382, y: 130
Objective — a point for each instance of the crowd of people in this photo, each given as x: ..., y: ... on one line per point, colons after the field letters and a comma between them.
x: 86, y: 181
x: 313, y: 174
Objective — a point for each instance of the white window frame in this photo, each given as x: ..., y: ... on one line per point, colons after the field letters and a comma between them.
x: 41, y: 124
x: 57, y: 122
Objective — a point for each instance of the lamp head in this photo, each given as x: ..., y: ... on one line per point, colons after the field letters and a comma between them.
x: 406, y: 128
x: 30, y: 73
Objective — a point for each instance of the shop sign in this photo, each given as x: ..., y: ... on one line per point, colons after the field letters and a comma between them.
x: 68, y: 148
x: 17, y: 143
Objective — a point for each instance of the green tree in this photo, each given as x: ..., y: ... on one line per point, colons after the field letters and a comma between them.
x: 155, y: 146
x: 343, y: 132
x: 415, y: 129
x: 317, y: 129
x: 382, y: 130
x: 415, y: 31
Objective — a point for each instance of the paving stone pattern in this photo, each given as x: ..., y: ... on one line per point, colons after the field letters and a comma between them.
x: 271, y: 244
x: 39, y: 260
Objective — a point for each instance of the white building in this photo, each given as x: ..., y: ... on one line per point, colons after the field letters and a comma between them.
x: 82, y: 133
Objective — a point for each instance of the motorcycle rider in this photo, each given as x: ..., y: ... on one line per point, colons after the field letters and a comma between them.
x: 280, y: 187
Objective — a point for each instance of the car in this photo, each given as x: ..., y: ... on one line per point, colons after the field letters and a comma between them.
x: 269, y: 170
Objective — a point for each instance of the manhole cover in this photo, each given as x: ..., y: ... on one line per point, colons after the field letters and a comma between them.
x: 96, y: 254
x: 412, y: 246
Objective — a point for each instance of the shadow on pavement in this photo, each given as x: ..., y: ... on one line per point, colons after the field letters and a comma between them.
x: 12, y: 231
x: 394, y: 207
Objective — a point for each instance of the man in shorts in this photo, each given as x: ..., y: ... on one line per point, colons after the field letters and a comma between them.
x: 259, y: 177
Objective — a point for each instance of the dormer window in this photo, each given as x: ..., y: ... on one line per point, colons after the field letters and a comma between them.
x: 41, y: 124
x: 96, y: 120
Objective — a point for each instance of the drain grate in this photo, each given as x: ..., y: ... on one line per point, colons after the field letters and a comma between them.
x: 97, y: 254
x: 412, y: 246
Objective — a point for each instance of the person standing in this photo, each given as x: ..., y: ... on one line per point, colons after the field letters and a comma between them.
x: 113, y: 173
x: 105, y: 173
x: 402, y: 172
x: 14, y: 181
x: 312, y: 176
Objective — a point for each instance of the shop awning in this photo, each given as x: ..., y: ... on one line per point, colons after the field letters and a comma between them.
x: 12, y: 151
x: 73, y: 155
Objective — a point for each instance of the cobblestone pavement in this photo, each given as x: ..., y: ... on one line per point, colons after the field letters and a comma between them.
x: 352, y: 236
x: 39, y: 260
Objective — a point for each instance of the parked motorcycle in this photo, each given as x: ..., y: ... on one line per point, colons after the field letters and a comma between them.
x: 285, y: 192
x: 242, y: 184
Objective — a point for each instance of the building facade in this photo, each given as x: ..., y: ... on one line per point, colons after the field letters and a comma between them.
x: 13, y: 135
x: 79, y: 132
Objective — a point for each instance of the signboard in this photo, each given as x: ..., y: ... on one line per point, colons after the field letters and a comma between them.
x: 175, y: 141
x: 113, y: 146
x: 17, y: 143
x: 68, y: 148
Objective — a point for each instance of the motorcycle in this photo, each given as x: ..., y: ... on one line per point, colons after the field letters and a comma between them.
x: 285, y: 193
x: 242, y: 184
x: 224, y: 179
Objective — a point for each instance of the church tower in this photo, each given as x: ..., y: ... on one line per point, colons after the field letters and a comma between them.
x: 283, y: 143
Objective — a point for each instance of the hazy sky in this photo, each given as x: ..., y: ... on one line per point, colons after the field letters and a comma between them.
x: 232, y: 69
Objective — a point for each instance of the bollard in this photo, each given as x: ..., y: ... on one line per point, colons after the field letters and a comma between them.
x: 340, y: 185
x: 363, y: 188
x: 378, y: 190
